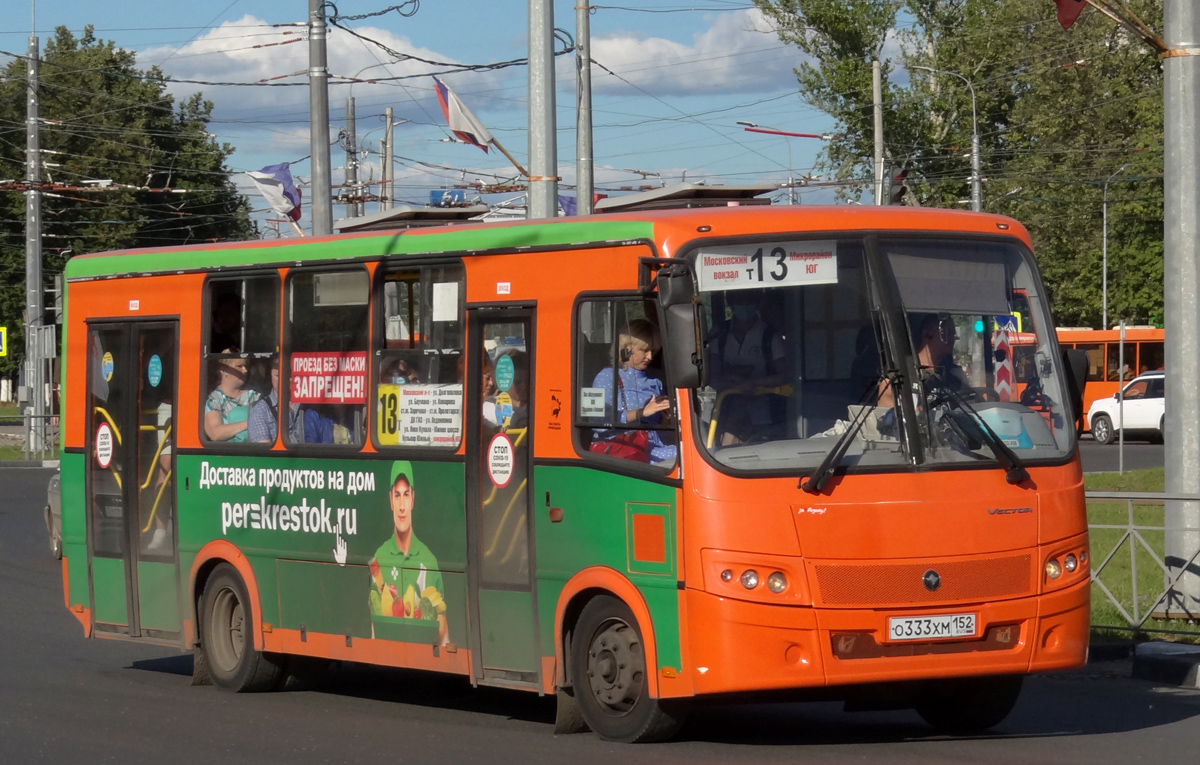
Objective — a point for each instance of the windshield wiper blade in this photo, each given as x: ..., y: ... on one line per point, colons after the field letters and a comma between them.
x: 814, y: 483
x: 1014, y: 470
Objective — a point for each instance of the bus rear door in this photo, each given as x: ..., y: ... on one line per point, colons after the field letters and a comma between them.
x: 132, y: 540
x: 499, y: 487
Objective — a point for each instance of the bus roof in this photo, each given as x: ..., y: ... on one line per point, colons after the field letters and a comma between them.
x: 670, y: 229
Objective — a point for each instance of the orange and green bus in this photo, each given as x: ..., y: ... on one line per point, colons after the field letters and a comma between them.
x: 633, y: 460
x: 1143, y: 352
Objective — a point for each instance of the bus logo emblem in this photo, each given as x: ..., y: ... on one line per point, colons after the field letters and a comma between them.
x: 932, y: 580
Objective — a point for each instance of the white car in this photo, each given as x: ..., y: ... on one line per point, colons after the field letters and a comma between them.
x: 1144, y: 415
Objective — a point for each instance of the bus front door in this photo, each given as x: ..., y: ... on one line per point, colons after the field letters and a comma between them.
x: 132, y: 541
x: 499, y: 482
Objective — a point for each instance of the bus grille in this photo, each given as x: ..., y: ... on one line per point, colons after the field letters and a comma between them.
x: 898, y: 584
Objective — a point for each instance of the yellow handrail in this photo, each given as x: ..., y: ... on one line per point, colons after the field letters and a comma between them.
x: 504, y: 518
x: 157, y: 454
x: 513, y: 544
x: 111, y: 423
x: 157, y: 498
x: 778, y: 390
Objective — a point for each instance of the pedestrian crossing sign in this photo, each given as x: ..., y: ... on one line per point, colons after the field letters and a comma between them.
x: 3, y: 341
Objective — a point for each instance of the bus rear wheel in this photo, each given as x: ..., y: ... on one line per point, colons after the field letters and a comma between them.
x: 1102, y: 429
x: 227, y: 630
x: 608, y: 672
x: 969, y: 704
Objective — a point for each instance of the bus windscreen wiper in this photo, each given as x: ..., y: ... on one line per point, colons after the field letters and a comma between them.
x: 1014, y: 471
x: 815, y: 482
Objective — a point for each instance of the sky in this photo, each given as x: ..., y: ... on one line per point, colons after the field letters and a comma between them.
x: 684, y: 73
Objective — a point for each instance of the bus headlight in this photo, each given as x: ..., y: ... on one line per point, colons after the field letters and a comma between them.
x: 749, y: 579
x: 777, y: 582
x: 1070, y: 563
x: 1053, y: 568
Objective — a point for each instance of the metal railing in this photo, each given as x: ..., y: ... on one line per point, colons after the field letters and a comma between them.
x: 1139, y: 540
x: 41, y: 436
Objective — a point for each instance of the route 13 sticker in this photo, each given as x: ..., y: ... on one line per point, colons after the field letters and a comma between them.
x: 104, y: 445
x: 500, y: 460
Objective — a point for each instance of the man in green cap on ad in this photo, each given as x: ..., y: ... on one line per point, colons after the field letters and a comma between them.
x: 405, y: 580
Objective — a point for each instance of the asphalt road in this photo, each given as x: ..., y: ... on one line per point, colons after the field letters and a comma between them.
x: 66, y: 699
x: 1138, y: 455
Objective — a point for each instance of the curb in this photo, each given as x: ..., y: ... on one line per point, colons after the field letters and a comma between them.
x: 1168, y: 664
x: 28, y: 464
x: 1111, y: 651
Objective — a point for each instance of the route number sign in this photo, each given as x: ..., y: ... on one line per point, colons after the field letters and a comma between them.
x: 760, y: 265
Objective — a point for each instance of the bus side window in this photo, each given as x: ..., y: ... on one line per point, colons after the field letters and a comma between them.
x: 325, y: 355
x: 622, y: 409
x: 241, y: 344
x: 418, y: 357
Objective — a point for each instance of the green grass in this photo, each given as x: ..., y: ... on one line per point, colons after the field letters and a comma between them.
x: 1114, y: 546
x: 16, y: 452
x: 1134, y: 480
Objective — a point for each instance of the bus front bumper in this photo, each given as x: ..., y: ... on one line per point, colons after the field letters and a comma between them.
x: 738, y: 646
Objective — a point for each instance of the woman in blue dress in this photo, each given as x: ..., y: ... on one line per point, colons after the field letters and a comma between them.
x: 639, y: 397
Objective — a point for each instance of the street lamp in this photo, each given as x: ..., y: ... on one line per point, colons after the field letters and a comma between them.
x: 1104, y: 252
x: 751, y: 127
x: 976, y: 173
x: 387, y: 195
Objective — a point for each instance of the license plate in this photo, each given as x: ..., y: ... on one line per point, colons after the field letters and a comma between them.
x: 931, y: 627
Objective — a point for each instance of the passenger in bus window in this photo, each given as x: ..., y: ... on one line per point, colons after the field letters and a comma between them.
x: 226, y: 321
x: 750, y: 352
x: 488, y: 392
x: 639, y: 399
x: 227, y: 410
x: 329, y: 424
x: 750, y: 368
x: 935, y: 335
x: 264, y: 414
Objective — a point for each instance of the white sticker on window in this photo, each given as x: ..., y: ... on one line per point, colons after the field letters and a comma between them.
x: 591, y: 402
x: 445, y: 301
x: 767, y: 264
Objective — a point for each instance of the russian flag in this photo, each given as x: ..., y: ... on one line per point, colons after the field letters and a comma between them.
x: 462, y: 123
x: 274, y: 182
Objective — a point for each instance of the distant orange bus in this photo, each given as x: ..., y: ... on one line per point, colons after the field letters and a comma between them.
x: 1143, y: 352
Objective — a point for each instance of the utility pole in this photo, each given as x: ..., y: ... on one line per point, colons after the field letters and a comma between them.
x: 318, y: 118
x: 350, y: 187
x: 1181, y: 264
x: 543, y: 125
x: 877, y: 92
x: 33, y: 255
x: 584, y: 180
x: 389, y: 195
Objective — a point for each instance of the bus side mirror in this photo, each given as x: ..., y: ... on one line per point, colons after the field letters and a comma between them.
x: 684, y: 332
x: 1075, y: 362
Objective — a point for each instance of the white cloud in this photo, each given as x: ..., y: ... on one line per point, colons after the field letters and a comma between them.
x: 249, y: 50
x: 738, y: 53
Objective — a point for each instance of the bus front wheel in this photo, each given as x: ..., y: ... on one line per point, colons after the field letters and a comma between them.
x: 226, y: 629
x: 969, y: 704
x: 608, y: 673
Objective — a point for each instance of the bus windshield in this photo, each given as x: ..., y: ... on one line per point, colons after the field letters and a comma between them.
x: 814, y: 345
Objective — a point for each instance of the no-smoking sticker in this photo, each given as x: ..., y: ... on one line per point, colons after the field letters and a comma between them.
x: 104, y: 445
x: 500, y: 460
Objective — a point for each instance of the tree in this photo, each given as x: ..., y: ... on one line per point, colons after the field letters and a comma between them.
x: 1059, y: 113
x: 104, y: 119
